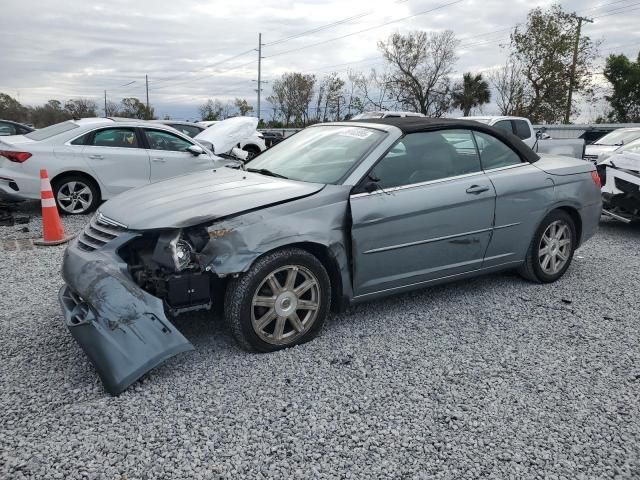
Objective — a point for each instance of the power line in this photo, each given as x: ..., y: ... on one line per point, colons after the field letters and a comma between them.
x: 616, y: 11
x: 485, y: 34
x: 211, y: 65
x: 628, y: 45
x: 364, y: 30
x: 325, y: 27
x: 191, y: 80
x: 604, y: 5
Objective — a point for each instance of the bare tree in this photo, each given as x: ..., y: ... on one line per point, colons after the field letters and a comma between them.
x: 421, y: 64
x: 511, y: 88
x: 243, y: 106
x: 291, y: 95
x: 215, y: 110
x: 113, y: 109
x: 81, y: 108
x: 354, y: 103
x: 134, y: 108
x: 332, y: 86
x: 374, y: 90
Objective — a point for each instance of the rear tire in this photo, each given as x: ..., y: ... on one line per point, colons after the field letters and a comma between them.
x: 282, y: 301
x: 551, y: 249
x: 75, y: 194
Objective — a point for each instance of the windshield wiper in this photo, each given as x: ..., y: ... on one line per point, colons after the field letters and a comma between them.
x: 264, y: 171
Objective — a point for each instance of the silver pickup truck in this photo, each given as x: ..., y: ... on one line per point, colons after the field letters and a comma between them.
x: 538, y: 141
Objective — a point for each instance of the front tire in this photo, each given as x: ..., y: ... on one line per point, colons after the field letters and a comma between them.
x: 282, y: 301
x: 551, y: 250
x: 76, y: 194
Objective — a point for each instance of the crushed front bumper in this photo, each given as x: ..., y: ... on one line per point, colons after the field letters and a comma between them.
x: 122, y: 329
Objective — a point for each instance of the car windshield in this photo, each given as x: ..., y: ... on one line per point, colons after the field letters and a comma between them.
x: 367, y: 115
x: 486, y: 121
x: 618, y: 137
x: 51, y: 131
x: 318, y: 154
x: 633, y: 146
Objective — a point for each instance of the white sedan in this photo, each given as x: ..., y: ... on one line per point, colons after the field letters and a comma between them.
x: 94, y: 159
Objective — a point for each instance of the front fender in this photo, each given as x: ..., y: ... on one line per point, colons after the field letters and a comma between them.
x: 320, y: 220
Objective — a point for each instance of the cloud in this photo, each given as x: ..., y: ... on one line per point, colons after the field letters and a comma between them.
x: 79, y: 49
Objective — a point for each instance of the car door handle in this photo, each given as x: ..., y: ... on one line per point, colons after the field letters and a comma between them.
x: 158, y: 160
x: 475, y: 189
x: 96, y: 157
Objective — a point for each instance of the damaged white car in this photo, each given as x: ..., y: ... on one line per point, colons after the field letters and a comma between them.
x: 620, y: 177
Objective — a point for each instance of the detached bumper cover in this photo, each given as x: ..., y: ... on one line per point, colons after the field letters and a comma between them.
x: 122, y: 329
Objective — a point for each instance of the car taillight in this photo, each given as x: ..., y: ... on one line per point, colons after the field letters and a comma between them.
x: 17, y: 157
x: 596, y: 179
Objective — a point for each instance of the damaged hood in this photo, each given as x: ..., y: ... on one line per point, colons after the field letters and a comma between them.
x: 625, y: 161
x: 228, y: 133
x: 595, y: 149
x: 200, y: 197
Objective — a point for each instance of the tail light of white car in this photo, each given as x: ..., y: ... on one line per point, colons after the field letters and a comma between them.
x: 596, y: 179
x: 17, y: 157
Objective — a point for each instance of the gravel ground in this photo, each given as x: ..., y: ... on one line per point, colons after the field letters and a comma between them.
x: 489, y: 378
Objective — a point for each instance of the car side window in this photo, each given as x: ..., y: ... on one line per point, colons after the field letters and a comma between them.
x: 522, y: 129
x: 119, y: 137
x: 426, y: 156
x: 82, y: 139
x: 160, y: 140
x: 494, y: 153
x: 7, y: 129
x: 187, y: 129
x: 504, y: 125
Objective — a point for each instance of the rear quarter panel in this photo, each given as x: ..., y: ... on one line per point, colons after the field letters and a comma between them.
x: 580, y: 193
x: 574, y: 188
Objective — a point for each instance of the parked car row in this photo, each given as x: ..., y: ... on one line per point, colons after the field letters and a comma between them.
x: 7, y: 127
x: 94, y: 159
x: 620, y: 140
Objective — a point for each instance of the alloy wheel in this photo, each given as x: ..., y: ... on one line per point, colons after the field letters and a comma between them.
x: 555, y: 247
x: 74, y: 197
x: 285, y: 305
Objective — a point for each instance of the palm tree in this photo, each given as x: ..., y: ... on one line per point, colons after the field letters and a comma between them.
x: 471, y: 93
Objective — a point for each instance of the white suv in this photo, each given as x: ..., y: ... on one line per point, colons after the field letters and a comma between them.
x: 94, y: 159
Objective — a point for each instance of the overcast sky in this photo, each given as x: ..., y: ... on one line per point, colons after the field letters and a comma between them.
x: 76, y: 48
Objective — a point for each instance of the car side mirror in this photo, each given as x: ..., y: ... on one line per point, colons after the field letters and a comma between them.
x: 206, y: 144
x: 369, y: 185
x: 195, y: 150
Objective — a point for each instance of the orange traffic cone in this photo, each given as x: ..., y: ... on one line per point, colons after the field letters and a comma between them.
x: 52, y: 231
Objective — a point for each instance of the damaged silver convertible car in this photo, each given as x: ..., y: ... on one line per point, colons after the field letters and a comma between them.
x: 338, y: 213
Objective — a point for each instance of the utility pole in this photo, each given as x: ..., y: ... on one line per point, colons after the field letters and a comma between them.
x: 105, y: 103
x: 572, y: 80
x: 259, y: 71
x: 146, y: 81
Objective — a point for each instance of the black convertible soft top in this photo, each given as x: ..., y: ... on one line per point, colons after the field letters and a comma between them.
x: 424, y: 124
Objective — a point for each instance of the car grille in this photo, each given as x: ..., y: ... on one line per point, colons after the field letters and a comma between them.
x: 100, y: 231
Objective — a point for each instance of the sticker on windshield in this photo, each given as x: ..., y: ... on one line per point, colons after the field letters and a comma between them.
x: 356, y: 132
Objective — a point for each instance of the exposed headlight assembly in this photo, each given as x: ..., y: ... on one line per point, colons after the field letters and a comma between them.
x: 173, y: 251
